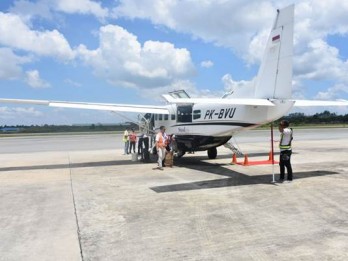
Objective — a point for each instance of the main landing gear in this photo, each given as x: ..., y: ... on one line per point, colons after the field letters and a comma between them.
x: 212, y: 153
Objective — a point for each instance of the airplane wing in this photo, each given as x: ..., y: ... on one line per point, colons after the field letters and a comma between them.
x: 239, y: 101
x: 93, y: 106
x: 309, y: 103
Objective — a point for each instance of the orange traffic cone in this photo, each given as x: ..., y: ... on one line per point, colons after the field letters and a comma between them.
x: 246, y: 160
x: 270, y: 155
x: 234, y: 159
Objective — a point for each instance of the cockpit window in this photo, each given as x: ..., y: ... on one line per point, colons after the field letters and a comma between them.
x: 184, y: 113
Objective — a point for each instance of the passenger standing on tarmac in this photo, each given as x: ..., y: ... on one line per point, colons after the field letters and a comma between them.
x: 160, y: 144
x: 285, y: 150
x: 140, y: 144
x: 126, y: 141
x: 133, y: 141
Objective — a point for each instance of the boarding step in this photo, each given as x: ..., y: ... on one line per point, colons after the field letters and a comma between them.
x: 233, y: 148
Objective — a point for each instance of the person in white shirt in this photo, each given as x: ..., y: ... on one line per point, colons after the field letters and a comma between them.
x: 285, y: 150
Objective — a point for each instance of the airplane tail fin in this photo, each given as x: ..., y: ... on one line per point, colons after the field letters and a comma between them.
x: 274, y: 79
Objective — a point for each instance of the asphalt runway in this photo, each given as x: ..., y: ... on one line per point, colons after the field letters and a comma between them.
x: 76, y: 197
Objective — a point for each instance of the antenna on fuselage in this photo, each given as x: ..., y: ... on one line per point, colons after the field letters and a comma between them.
x: 226, y: 94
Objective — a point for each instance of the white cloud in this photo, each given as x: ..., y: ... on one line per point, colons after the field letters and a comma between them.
x: 10, y: 69
x: 244, y: 27
x: 213, y: 21
x: 314, y: 58
x: 72, y: 83
x: 256, y: 47
x: 333, y: 93
x: 236, y: 24
x: 321, y: 62
x: 33, y: 79
x: 155, y: 93
x: 82, y: 7
x: 47, y: 43
x: 13, y: 113
x: 45, y: 9
x: 239, y: 89
x: 123, y: 61
x: 27, y: 10
x: 325, y: 17
x: 207, y: 64
x: 10, y: 64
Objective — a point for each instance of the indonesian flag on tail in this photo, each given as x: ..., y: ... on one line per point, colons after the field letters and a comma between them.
x: 276, y: 38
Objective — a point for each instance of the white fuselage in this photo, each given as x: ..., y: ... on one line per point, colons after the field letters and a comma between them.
x: 202, y: 126
x: 218, y: 120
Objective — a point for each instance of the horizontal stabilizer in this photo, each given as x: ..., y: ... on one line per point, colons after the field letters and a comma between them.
x: 239, y: 101
x: 93, y: 106
x: 313, y: 103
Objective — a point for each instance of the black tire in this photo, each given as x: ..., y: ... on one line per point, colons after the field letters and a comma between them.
x: 212, y: 153
x: 180, y: 154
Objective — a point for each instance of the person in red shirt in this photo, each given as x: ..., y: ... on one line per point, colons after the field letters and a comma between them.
x: 132, y: 141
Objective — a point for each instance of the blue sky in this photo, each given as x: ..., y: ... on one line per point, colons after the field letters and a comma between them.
x: 131, y: 51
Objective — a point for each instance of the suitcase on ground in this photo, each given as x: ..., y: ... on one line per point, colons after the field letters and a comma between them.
x: 168, y: 160
x: 146, y: 156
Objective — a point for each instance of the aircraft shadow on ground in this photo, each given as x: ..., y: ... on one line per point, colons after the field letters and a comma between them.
x: 234, y: 178
x: 71, y: 165
x: 229, y: 156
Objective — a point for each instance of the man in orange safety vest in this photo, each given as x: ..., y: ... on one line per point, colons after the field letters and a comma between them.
x: 161, y: 146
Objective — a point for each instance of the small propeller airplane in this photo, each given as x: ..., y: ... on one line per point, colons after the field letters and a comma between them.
x: 205, y: 123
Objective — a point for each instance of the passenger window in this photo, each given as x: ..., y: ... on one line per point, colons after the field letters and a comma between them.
x: 160, y: 117
x: 196, y: 114
x: 165, y: 117
x: 173, y: 117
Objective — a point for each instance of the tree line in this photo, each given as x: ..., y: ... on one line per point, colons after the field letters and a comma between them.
x: 65, y: 128
x: 325, y: 117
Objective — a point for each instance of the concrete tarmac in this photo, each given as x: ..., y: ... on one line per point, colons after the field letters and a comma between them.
x: 77, y: 197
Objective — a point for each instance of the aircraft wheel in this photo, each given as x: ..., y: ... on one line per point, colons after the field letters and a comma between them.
x: 179, y: 154
x: 212, y: 153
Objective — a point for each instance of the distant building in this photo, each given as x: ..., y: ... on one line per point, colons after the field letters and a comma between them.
x: 9, y: 129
